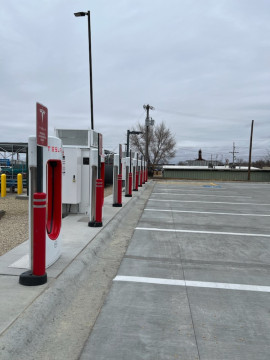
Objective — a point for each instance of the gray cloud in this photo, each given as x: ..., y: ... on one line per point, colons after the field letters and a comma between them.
x: 203, y: 65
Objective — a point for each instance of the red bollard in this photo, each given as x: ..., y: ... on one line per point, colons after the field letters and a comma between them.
x: 140, y: 182
x: 99, y: 202
x: 129, y: 185
x: 119, y: 190
x: 37, y: 276
x: 136, y: 181
x: 39, y: 241
x: 143, y: 177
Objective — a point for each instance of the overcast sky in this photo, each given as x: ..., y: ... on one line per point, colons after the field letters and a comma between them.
x: 203, y: 64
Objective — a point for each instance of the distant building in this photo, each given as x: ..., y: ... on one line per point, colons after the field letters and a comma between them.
x: 201, y: 162
x: 200, y: 156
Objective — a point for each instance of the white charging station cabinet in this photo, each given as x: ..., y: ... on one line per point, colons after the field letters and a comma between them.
x: 80, y: 148
x: 72, y: 176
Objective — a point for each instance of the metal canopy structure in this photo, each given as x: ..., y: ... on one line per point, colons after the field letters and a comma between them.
x: 11, y: 150
x: 20, y: 148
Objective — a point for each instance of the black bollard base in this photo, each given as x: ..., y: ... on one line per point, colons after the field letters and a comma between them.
x: 128, y: 195
x: 117, y: 205
x: 29, y: 279
x: 94, y: 224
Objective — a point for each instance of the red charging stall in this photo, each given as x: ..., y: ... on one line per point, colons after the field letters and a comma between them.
x: 117, y: 178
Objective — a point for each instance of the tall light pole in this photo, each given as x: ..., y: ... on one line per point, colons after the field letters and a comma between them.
x: 78, y: 14
x: 148, y: 122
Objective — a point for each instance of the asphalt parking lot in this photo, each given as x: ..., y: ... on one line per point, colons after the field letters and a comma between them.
x: 195, y: 280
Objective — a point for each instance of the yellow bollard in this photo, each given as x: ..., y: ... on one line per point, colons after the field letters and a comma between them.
x: 19, y: 184
x: 3, y: 185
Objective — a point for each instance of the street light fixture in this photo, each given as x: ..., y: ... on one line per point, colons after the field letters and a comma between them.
x: 81, y: 13
x: 78, y: 14
x: 133, y: 133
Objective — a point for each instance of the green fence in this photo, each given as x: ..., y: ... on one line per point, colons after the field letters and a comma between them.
x: 218, y: 175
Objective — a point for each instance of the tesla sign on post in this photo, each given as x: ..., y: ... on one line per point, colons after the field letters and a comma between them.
x: 42, y: 125
x: 42, y: 140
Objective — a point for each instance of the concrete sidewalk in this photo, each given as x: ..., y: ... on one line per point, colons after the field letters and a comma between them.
x: 27, y: 311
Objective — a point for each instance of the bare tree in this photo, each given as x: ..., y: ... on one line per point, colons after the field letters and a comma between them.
x: 264, y: 161
x: 162, y: 145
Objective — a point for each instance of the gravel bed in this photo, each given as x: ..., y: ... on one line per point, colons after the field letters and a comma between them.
x: 14, y: 222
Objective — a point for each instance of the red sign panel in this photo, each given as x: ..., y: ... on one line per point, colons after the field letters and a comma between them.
x: 42, y: 125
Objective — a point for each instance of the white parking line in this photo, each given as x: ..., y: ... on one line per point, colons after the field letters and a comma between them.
x: 208, y: 202
x: 200, y: 284
x: 201, y: 232
x: 180, y: 194
x: 205, y: 212
x: 195, y: 189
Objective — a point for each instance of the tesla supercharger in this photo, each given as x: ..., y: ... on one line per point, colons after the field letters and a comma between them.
x: 143, y: 170
x: 130, y: 174
x: 93, y: 179
x: 137, y: 172
x: 126, y: 170
x: 117, y: 181
x: 134, y: 171
x: 52, y: 186
x: 115, y: 178
x: 140, y: 172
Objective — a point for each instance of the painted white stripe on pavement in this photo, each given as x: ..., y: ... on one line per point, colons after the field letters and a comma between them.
x: 201, y: 232
x: 226, y: 196
x: 200, y: 284
x: 195, y: 189
x: 209, y: 202
x: 205, y: 212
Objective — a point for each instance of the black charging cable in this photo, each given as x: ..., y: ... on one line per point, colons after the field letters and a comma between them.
x: 53, y: 164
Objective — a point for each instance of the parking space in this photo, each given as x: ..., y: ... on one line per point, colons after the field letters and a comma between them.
x: 195, y: 280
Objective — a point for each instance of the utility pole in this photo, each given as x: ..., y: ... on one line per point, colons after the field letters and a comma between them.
x: 234, y: 152
x: 148, y: 121
x: 250, y: 149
